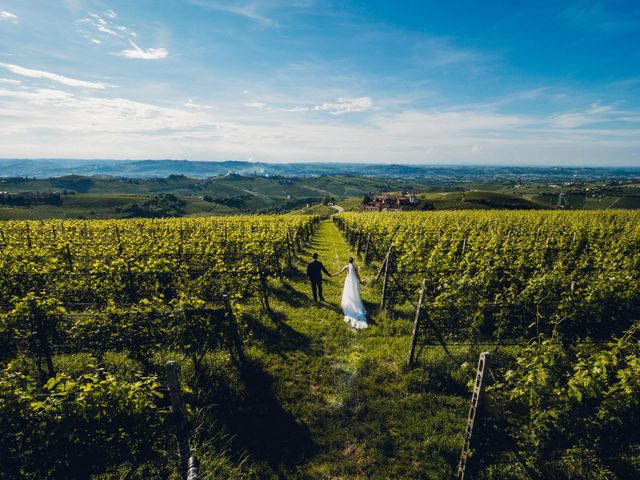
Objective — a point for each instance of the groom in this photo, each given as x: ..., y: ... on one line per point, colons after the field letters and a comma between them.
x: 314, y: 272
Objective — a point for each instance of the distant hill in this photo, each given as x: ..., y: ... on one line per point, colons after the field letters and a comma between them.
x: 101, y: 195
x: 434, y: 173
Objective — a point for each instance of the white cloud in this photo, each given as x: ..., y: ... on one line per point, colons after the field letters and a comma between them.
x: 346, y: 105
x: 249, y: 11
x: 41, y: 108
x: 450, y: 124
x: 99, y: 126
x: 107, y: 27
x: 594, y: 114
x: 293, y: 109
x: 10, y: 81
x: 9, y: 17
x: 195, y: 106
x: 264, y: 106
x: 71, y: 82
x: 140, y: 54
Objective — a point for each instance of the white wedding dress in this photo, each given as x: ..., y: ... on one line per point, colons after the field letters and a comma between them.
x: 352, y: 306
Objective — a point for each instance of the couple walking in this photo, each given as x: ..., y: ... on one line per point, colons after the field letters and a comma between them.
x: 352, y: 306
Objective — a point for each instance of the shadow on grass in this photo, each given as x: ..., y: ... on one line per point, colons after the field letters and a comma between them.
x: 280, y: 338
x: 256, y: 422
x: 292, y: 297
x: 294, y: 275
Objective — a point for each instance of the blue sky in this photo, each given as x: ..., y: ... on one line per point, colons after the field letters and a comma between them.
x: 301, y: 80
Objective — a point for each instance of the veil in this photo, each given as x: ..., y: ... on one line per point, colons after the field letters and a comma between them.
x: 352, y: 306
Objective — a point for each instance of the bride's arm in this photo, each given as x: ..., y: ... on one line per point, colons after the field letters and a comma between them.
x: 343, y: 269
x: 358, y: 276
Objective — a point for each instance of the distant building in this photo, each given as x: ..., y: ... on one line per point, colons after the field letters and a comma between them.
x: 389, y: 203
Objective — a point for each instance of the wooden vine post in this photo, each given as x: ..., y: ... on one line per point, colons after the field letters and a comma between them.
x: 416, y: 325
x: 366, y: 250
x: 289, y: 256
x: 359, y: 243
x: 237, y: 341
x: 385, y: 281
x: 477, y: 398
x: 44, y: 349
x: 263, y: 283
x: 276, y: 263
x: 69, y: 259
x: 177, y: 412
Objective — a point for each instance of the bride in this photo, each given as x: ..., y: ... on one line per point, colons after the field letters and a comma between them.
x: 352, y: 306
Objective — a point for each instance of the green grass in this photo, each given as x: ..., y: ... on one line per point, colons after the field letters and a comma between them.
x: 322, y: 211
x: 350, y: 203
x: 364, y: 415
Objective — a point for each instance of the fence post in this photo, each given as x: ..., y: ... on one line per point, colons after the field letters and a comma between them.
x: 385, y: 281
x: 263, y: 284
x: 276, y: 259
x: 289, y: 257
x: 477, y: 398
x: 69, y: 261
x: 416, y: 324
x: 44, y: 347
x: 366, y: 250
x: 237, y: 341
x: 177, y: 411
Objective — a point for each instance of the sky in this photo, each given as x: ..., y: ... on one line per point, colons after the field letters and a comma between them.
x: 415, y: 82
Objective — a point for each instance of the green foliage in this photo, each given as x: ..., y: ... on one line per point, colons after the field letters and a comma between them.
x: 123, y: 294
x: 510, y: 274
x: 72, y: 428
x: 159, y: 206
x: 576, y: 398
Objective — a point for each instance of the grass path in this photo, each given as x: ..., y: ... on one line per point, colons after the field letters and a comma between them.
x: 349, y: 409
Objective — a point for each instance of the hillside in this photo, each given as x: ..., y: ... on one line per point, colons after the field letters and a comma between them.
x: 100, y: 196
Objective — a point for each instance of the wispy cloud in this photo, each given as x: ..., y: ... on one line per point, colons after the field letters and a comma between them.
x: 476, y: 149
x: 143, y: 54
x: 441, y: 52
x: 264, y: 12
x: 71, y: 82
x: 249, y: 11
x: 195, y: 106
x: 104, y: 24
x: 596, y: 113
x: 10, y: 81
x: 346, y: 105
x: 107, y: 27
x: 90, y: 114
x: 259, y: 105
x: 264, y: 106
x: 9, y: 17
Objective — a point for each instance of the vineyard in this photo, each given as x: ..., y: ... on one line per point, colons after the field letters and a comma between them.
x: 555, y: 298
x: 270, y: 385
x: 81, y: 298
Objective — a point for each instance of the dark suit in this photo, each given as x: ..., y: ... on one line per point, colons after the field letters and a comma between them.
x: 314, y: 272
